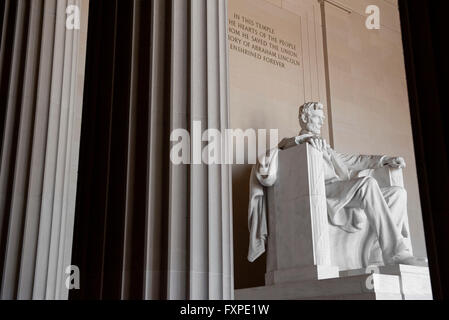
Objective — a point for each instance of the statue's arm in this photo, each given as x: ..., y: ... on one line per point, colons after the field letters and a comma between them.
x: 294, y: 141
x: 287, y: 143
x: 363, y: 162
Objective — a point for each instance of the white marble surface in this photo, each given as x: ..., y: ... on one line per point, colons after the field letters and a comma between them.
x: 365, y: 287
x: 400, y: 282
x: 298, y: 235
x: 415, y: 281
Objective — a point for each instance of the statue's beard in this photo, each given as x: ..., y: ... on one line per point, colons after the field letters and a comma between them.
x: 314, y: 129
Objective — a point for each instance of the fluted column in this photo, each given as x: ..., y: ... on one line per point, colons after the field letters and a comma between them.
x: 147, y: 228
x: 41, y: 89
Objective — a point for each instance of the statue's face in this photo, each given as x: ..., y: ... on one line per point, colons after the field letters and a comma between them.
x: 314, y: 121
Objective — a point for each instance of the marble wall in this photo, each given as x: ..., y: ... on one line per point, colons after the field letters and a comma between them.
x: 358, y: 73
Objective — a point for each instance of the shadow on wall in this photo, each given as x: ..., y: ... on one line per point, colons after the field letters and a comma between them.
x: 246, y: 274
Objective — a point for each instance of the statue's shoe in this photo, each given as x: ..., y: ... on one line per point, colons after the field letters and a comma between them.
x: 411, y: 261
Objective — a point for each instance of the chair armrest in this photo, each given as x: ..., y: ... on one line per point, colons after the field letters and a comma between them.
x: 386, y: 176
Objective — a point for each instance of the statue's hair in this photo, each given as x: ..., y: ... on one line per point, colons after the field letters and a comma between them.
x: 309, y: 107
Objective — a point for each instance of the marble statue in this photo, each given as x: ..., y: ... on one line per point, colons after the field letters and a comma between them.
x: 385, y: 208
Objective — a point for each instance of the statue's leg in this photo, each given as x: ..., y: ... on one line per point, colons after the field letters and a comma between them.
x: 371, y: 199
x: 396, y: 199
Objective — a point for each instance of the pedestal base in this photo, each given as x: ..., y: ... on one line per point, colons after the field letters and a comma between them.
x: 366, y: 287
x: 301, y: 274
x: 415, y: 281
x: 387, y: 283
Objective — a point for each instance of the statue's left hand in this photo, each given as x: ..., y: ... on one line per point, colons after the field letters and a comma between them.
x: 395, y: 162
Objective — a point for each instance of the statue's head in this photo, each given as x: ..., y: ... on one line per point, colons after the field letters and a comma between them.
x: 311, y: 117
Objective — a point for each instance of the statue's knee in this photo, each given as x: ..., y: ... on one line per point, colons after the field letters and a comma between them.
x: 368, y: 186
x: 370, y: 182
x: 400, y: 192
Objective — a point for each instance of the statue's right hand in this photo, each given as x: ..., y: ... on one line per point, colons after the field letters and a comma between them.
x: 318, y: 143
x: 303, y: 138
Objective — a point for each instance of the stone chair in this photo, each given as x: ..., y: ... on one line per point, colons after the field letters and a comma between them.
x: 302, y: 244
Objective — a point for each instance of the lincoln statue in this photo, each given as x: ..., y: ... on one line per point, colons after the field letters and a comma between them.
x: 385, y: 208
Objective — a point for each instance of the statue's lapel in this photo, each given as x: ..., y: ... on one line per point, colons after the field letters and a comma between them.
x: 340, y: 168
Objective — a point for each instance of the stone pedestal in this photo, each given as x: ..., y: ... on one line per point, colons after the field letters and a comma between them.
x: 360, y: 287
x: 298, y: 240
x: 415, y: 281
x: 398, y: 282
